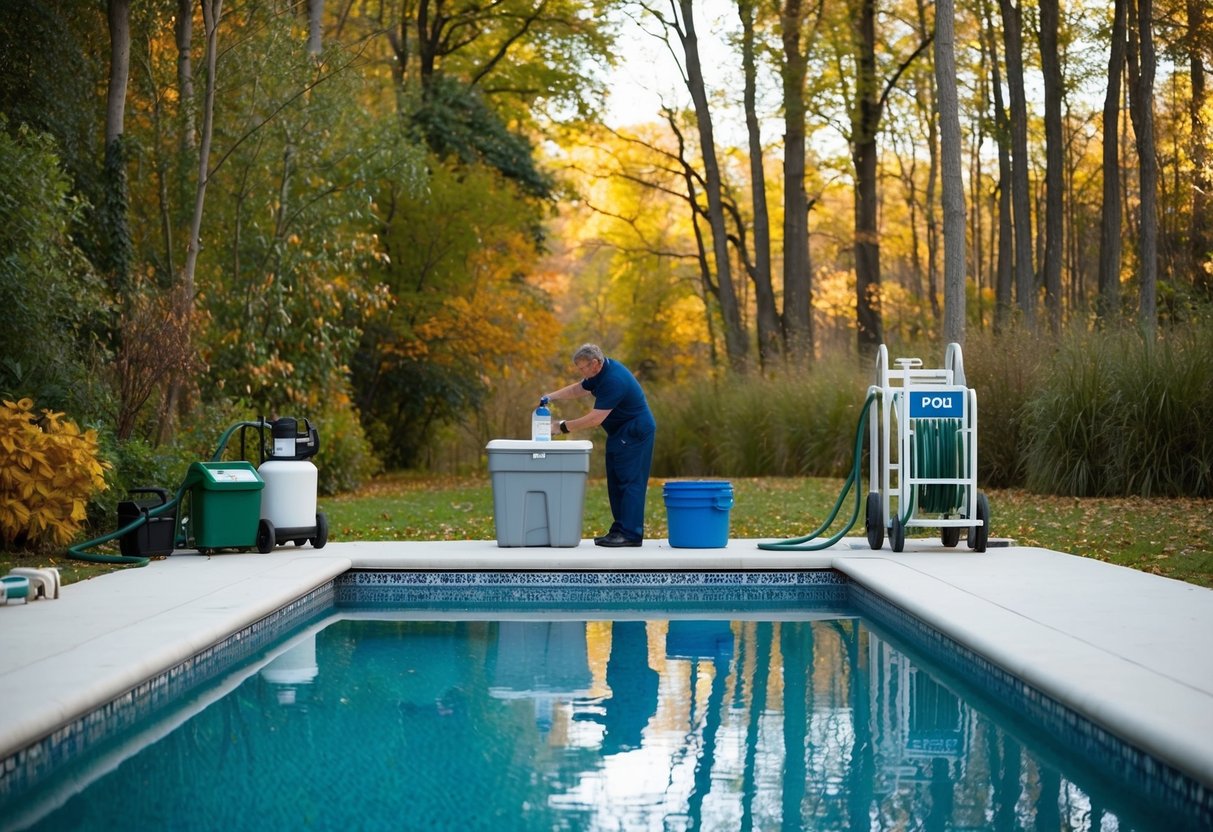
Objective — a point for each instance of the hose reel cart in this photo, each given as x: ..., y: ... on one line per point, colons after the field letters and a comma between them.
x: 923, y: 456
x: 922, y: 437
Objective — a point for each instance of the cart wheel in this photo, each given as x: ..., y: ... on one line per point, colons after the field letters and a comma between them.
x: 322, y: 532
x: 897, y: 535
x: 265, y: 537
x: 299, y: 541
x: 949, y: 535
x: 980, y: 535
x: 874, y: 523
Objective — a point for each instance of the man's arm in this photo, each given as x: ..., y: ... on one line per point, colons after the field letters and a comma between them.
x: 590, y: 420
x: 572, y: 391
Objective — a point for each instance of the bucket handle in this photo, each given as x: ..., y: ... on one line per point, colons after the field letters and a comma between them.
x: 724, y: 503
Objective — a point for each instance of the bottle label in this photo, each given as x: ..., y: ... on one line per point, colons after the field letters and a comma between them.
x: 541, y: 428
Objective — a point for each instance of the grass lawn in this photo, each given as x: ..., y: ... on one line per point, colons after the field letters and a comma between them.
x: 1171, y: 537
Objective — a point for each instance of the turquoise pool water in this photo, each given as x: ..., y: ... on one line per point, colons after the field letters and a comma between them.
x: 541, y: 712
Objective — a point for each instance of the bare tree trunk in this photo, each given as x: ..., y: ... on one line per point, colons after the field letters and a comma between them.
x: 764, y: 296
x: 1141, y: 109
x: 734, y: 334
x: 116, y: 233
x: 865, y: 122
x: 315, y: 26
x: 797, y: 277
x: 1055, y: 183
x: 1021, y: 200
x: 212, y: 10
x: 1004, y: 266
x: 185, y: 72
x: 120, y: 68
x: 925, y: 93
x: 952, y: 174
x: 1107, y: 305
x: 1201, y: 233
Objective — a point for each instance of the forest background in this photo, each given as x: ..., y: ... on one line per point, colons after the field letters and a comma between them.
x: 397, y: 218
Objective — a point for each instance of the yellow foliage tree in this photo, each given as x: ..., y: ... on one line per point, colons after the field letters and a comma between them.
x: 48, y: 470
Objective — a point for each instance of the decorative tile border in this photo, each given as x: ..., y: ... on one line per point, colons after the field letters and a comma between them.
x: 579, y: 589
x: 33, y: 764
x: 1154, y: 778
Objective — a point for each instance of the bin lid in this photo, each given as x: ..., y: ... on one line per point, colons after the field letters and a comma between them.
x: 225, y: 476
x: 531, y: 445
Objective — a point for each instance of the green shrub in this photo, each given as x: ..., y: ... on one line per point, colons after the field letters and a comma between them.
x: 346, y: 459
x: 801, y: 425
x: 1005, y: 371
x: 1125, y: 414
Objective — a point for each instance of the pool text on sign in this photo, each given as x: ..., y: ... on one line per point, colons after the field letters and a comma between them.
x: 937, y: 404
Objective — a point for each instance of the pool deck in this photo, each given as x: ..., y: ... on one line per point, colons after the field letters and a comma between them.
x: 1131, y: 651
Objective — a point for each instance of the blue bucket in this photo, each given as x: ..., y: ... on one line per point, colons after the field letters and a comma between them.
x: 698, y: 513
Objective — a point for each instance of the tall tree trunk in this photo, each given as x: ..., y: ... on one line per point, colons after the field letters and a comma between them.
x: 952, y: 174
x: 764, y: 296
x: 925, y: 93
x: 315, y: 26
x: 1201, y: 233
x: 865, y: 120
x: 120, y: 68
x: 797, y: 277
x: 184, y: 28
x: 115, y: 223
x: 1021, y: 200
x: 1141, y: 109
x: 1107, y: 305
x: 1004, y: 267
x: 1055, y: 183
x: 212, y: 11
x: 734, y: 334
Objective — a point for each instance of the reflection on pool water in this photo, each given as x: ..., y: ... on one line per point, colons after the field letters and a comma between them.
x: 371, y: 720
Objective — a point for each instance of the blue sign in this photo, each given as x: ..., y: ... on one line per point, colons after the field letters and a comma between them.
x: 937, y: 404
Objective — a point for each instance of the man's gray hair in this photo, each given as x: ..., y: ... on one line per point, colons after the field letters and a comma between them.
x: 588, y: 352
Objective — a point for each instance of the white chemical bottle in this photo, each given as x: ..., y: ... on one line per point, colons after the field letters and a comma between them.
x: 541, y: 422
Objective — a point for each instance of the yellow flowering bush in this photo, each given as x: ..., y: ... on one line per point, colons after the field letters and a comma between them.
x: 48, y: 470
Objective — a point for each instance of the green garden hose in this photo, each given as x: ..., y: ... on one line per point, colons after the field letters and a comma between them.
x: 803, y: 544
x: 79, y: 551
x: 939, y: 455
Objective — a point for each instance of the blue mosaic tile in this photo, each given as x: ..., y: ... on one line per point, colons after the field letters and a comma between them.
x: 1152, y: 777
x: 575, y: 589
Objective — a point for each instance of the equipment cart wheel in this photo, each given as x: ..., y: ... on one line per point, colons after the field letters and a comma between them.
x: 874, y: 522
x: 949, y: 535
x: 897, y: 535
x: 322, y: 531
x: 265, y: 537
x: 980, y: 535
x: 299, y: 541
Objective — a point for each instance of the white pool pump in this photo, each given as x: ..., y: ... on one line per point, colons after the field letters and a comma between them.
x: 288, y: 501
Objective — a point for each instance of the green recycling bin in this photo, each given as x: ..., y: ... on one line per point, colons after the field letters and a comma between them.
x: 225, y: 505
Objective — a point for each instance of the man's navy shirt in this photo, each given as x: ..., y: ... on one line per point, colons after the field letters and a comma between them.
x: 617, y: 390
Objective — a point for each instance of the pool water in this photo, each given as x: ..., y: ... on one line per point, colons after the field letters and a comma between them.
x: 371, y: 719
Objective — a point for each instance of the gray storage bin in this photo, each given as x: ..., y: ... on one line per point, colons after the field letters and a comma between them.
x: 538, y: 490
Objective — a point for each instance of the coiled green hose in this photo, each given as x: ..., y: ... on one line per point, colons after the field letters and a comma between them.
x: 80, y: 550
x: 939, y: 454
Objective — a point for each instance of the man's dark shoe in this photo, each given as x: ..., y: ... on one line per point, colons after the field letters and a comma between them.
x: 615, y: 540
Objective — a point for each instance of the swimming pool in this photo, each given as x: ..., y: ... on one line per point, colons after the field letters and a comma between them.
x: 533, y: 704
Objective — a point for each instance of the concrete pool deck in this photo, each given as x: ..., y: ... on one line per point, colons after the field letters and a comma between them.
x: 1130, y: 651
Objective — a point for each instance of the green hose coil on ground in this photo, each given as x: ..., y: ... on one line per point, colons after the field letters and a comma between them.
x: 80, y: 551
